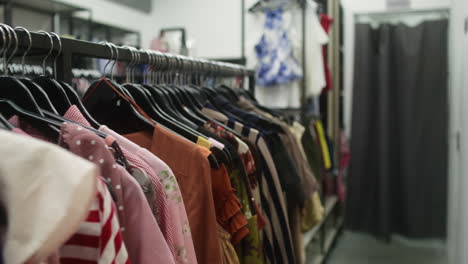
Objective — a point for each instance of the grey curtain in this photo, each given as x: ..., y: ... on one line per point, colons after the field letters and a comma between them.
x: 398, y: 174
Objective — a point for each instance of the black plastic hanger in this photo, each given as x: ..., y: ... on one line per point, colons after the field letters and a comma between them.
x: 157, y: 102
x: 177, y: 99
x: 173, y: 107
x: 189, y: 105
x: 5, y: 124
x: 107, y: 101
x: 13, y: 89
x: 10, y: 108
x: 38, y: 93
x: 75, y: 100
x: 147, y: 102
x: 228, y: 93
x: 194, y: 90
x: 69, y: 91
x: 181, y: 106
x: 113, y: 109
x: 53, y: 89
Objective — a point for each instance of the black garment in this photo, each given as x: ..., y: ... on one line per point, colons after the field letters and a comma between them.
x: 271, y: 206
x: 289, y: 177
x: 398, y: 171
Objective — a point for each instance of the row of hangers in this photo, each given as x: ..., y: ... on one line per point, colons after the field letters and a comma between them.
x: 172, y: 94
x: 166, y: 97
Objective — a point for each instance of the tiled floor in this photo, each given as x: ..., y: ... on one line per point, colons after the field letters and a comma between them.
x: 354, y: 248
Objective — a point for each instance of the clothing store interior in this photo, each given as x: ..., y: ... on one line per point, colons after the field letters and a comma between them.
x: 233, y: 131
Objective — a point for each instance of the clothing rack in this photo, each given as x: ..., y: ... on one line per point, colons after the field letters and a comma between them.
x: 72, y: 47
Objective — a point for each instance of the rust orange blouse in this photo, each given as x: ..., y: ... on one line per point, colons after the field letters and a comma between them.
x: 191, y: 167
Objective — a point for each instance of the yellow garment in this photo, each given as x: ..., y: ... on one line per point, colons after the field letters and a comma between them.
x: 323, y: 145
x: 203, y: 142
x: 249, y: 250
x: 312, y: 213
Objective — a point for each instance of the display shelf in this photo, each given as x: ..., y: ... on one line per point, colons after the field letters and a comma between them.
x: 317, y: 259
x: 324, y: 233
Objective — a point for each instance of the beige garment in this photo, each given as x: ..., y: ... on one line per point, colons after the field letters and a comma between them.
x: 298, y: 131
x: 228, y: 253
x: 48, y: 192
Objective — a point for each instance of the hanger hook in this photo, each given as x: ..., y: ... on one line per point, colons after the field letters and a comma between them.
x: 50, y: 51
x: 137, y: 62
x: 58, y: 53
x: 153, y: 66
x: 116, y: 58
x: 150, y: 61
x: 157, y: 66
x: 111, y: 57
x: 130, y: 64
x: 150, y: 67
x: 160, y: 63
x: 23, y: 58
x: 3, y: 41
x: 13, y: 53
x: 6, y: 45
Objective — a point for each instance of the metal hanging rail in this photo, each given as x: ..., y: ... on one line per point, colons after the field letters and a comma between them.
x: 73, y: 47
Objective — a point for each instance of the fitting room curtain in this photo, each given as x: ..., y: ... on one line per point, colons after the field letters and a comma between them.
x: 398, y: 174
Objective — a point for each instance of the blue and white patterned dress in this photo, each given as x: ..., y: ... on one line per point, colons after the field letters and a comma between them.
x: 277, y: 64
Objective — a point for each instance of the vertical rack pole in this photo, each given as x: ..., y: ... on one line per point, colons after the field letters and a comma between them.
x: 243, y: 29
x: 252, y: 83
x: 304, y: 50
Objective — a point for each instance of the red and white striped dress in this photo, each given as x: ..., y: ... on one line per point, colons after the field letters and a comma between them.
x: 98, y: 240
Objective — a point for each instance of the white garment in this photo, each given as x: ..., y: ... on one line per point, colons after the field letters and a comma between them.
x: 316, y: 37
x: 285, y: 95
x: 280, y: 96
x: 46, y: 191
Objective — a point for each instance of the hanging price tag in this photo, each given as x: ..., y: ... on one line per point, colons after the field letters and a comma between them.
x: 398, y: 4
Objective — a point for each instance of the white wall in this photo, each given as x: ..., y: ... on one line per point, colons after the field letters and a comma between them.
x: 458, y: 214
x: 121, y: 16
x: 215, y: 25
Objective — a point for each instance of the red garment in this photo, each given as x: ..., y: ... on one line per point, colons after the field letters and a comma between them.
x: 326, y: 23
x: 228, y: 207
x: 99, y: 239
x: 345, y: 156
